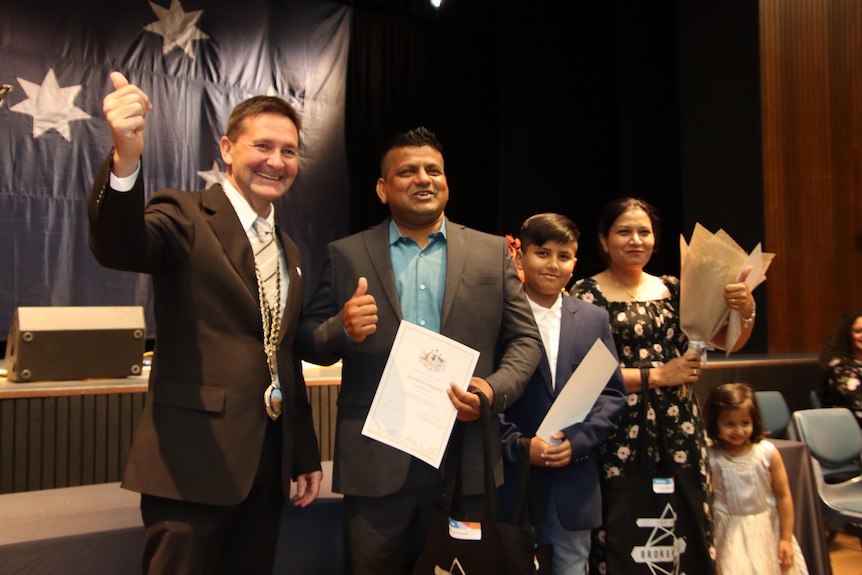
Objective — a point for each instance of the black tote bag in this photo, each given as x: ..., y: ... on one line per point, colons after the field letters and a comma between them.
x: 652, y: 524
x: 503, y: 549
x: 524, y: 510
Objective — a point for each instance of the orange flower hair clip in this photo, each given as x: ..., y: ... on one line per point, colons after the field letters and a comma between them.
x: 514, y: 246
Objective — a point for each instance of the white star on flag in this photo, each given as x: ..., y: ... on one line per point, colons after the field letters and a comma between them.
x: 50, y: 105
x: 177, y: 27
x: 295, y: 98
x: 271, y: 91
x: 214, y: 176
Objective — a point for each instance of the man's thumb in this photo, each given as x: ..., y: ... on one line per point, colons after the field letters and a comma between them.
x: 118, y: 80
x: 361, y: 287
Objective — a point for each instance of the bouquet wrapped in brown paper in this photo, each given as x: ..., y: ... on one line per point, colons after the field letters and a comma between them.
x: 708, y: 263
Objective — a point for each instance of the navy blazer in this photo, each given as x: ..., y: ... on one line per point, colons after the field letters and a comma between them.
x: 575, y: 486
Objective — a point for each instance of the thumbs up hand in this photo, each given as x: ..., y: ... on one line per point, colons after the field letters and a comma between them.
x: 125, y: 109
x: 360, y: 313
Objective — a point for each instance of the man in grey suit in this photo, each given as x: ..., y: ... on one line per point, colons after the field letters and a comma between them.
x: 415, y: 266
x: 213, y: 462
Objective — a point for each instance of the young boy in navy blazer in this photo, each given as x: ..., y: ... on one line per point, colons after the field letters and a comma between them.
x: 565, y: 476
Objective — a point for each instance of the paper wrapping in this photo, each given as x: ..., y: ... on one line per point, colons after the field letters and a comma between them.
x: 707, y: 264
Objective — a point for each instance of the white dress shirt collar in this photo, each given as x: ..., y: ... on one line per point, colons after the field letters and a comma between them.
x: 548, y: 322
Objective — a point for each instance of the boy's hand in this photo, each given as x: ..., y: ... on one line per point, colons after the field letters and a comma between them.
x: 545, y: 455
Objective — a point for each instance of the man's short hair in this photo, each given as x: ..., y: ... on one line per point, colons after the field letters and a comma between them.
x: 257, y: 105
x: 414, y: 138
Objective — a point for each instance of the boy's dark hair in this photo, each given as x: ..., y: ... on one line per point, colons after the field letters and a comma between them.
x: 548, y: 227
x: 257, y: 105
x: 414, y: 138
x: 732, y: 396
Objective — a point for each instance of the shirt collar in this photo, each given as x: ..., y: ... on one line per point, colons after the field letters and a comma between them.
x: 243, y: 209
x: 395, y: 234
x: 540, y: 310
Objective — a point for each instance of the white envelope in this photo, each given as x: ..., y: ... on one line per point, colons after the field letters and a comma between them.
x: 580, y: 393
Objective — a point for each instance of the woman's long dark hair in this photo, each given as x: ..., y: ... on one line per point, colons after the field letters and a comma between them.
x: 840, y: 342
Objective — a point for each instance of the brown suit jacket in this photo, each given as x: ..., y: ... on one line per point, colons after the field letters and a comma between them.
x: 200, y: 435
x: 484, y: 307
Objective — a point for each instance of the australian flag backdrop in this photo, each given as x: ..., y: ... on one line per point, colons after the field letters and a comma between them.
x: 196, y: 59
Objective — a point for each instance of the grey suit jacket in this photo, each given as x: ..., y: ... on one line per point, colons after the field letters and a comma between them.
x: 203, y: 425
x: 484, y: 307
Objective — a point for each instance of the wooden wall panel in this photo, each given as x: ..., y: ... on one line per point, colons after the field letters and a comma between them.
x: 793, y: 376
x: 811, y: 81
x: 7, y: 445
x: 49, y: 442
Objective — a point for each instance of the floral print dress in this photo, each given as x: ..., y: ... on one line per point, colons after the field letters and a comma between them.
x: 844, y: 385
x: 647, y: 334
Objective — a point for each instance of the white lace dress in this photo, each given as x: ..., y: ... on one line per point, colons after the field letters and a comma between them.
x: 745, y: 514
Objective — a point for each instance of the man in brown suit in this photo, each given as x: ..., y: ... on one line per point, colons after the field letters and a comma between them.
x: 420, y: 267
x: 212, y: 462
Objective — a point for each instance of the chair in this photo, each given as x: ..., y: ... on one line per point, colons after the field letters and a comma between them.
x: 817, y: 397
x: 835, y: 442
x: 776, y: 415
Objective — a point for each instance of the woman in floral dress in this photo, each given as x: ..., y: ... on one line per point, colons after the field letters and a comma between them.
x: 644, y: 313
x: 841, y: 364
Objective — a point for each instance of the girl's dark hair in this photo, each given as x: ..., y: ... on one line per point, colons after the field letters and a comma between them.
x: 548, y: 227
x: 615, y: 208
x: 732, y: 396
x: 839, y: 344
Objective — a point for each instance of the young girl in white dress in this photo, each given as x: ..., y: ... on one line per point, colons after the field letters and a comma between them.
x: 753, y: 508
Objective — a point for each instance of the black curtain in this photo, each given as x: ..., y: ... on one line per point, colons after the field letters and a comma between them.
x: 555, y: 106
x: 562, y: 106
x: 393, y: 84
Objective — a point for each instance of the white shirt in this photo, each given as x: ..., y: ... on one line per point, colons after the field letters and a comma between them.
x: 548, y: 321
x: 247, y: 216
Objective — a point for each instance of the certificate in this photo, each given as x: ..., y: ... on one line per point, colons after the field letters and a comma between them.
x: 411, y: 410
x: 580, y: 393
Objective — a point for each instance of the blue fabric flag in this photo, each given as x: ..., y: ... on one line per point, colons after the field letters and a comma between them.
x: 196, y: 59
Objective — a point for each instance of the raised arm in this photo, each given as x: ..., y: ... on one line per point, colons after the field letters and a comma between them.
x: 125, y: 109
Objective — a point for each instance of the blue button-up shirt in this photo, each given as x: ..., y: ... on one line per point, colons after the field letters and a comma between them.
x: 420, y: 275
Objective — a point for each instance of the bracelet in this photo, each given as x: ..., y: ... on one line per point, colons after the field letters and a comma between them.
x: 645, y: 378
x: 747, y: 321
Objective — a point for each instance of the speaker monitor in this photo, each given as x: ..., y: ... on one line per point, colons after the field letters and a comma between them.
x: 65, y: 343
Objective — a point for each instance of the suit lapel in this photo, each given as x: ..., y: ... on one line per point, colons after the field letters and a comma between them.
x: 544, y: 371
x: 568, y: 335
x: 227, y: 228
x: 456, y: 259
x: 377, y: 245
